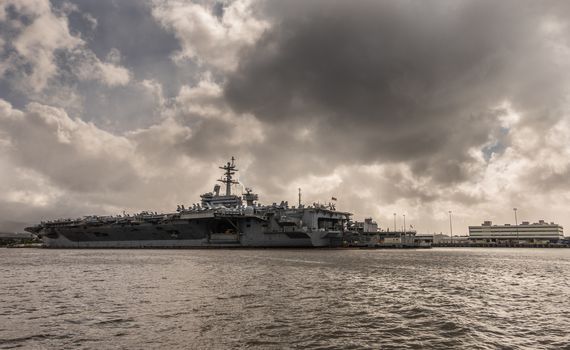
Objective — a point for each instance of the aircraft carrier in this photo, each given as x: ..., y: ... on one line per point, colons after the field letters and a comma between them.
x: 219, y: 220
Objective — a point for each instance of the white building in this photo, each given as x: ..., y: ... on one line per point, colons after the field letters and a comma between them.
x: 540, y: 232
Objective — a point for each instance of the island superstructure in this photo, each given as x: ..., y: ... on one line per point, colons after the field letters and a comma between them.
x: 219, y: 220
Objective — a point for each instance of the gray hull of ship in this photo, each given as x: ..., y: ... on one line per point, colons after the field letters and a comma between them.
x: 184, y: 235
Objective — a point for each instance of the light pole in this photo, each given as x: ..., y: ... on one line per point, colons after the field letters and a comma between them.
x: 516, y: 224
x: 394, y: 222
x: 450, y: 228
x: 404, y: 224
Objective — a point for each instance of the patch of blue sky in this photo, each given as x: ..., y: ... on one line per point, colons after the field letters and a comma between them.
x: 498, y: 146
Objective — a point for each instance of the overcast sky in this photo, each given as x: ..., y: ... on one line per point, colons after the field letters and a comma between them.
x: 408, y: 107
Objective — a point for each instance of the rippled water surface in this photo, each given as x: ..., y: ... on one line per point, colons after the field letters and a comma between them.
x: 279, y: 299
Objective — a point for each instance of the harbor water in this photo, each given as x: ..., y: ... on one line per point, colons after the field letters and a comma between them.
x: 441, y: 298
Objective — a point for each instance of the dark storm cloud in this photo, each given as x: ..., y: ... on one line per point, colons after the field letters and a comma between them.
x: 396, y: 81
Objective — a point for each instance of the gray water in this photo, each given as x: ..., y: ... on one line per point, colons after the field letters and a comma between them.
x: 285, y: 299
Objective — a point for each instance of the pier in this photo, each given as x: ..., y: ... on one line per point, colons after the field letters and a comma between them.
x: 497, y: 245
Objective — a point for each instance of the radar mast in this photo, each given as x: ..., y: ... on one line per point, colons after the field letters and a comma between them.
x: 230, y: 170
